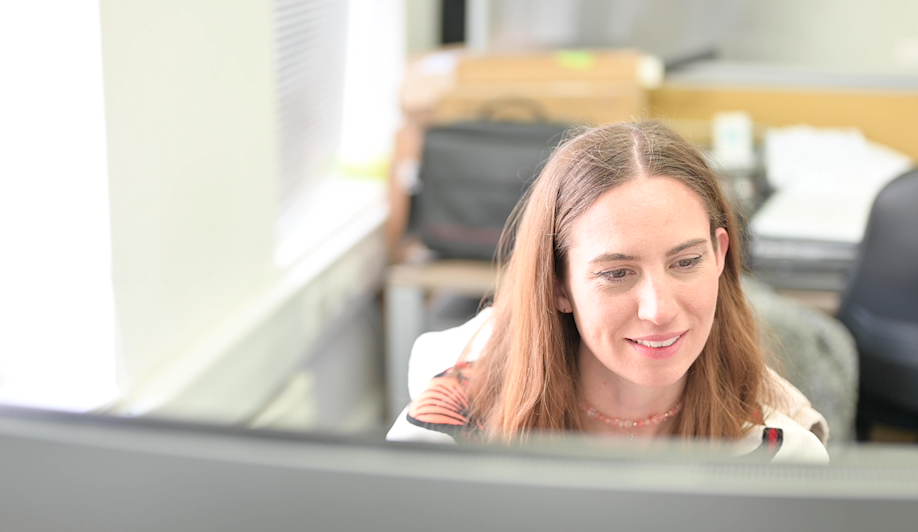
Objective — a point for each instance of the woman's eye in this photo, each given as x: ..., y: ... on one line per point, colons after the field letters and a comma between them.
x: 616, y: 274
x: 688, y: 263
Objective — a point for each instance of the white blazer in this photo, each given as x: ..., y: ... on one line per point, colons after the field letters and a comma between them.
x: 435, y: 352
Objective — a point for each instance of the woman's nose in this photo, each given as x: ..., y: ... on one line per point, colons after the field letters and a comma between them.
x: 656, y: 300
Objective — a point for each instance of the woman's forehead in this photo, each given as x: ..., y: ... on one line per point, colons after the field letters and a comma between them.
x: 642, y: 216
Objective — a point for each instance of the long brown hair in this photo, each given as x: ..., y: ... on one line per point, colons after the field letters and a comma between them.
x: 527, y: 377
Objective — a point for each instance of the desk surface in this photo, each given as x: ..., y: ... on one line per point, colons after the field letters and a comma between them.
x: 466, y: 277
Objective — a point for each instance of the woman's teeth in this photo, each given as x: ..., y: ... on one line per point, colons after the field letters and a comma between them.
x: 665, y: 343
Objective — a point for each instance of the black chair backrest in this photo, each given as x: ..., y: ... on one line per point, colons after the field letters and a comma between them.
x: 884, y: 280
x: 880, y: 305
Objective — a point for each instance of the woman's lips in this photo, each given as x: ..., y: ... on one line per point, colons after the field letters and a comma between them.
x: 658, y: 346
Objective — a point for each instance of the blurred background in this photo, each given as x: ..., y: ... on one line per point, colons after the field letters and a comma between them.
x: 211, y: 210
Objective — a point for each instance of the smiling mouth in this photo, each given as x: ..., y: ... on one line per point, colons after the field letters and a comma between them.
x: 665, y: 343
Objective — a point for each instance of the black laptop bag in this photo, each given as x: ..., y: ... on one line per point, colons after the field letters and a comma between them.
x: 472, y: 175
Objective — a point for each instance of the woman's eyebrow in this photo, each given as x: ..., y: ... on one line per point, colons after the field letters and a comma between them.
x: 609, y: 257
x: 685, y: 245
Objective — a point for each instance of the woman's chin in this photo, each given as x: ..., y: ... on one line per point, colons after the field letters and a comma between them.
x: 659, y: 379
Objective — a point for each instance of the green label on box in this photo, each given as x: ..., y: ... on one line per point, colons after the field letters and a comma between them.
x: 575, y: 59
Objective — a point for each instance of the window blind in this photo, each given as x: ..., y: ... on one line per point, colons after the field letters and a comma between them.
x: 310, y: 54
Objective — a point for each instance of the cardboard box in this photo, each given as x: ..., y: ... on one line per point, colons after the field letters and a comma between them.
x: 577, y: 87
x: 571, y: 65
x: 572, y: 102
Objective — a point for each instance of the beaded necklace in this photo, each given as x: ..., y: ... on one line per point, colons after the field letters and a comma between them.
x: 616, y: 422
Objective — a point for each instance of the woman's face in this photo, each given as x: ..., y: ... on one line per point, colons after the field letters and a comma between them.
x: 642, y: 278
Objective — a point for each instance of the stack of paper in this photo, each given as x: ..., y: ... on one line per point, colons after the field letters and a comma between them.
x: 826, y: 181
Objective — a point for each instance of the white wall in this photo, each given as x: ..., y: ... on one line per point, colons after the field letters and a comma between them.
x: 57, y: 324
x: 422, y: 25
x: 215, y: 317
x: 193, y: 166
x: 858, y: 35
x: 851, y: 35
x: 138, y: 205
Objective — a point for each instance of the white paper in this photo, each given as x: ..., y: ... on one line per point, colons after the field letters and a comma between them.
x: 827, y: 180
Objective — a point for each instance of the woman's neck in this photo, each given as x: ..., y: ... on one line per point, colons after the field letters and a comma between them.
x: 615, y: 397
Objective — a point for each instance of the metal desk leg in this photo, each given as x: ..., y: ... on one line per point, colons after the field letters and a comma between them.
x: 404, y: 323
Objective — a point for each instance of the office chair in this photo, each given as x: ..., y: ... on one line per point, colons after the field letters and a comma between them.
x: 880, y: 308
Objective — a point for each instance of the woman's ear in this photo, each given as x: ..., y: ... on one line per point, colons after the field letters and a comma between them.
x: 562, y: 302
x: 723, y: 243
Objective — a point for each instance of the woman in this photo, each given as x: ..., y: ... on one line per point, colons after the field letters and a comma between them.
x: 620, y: 311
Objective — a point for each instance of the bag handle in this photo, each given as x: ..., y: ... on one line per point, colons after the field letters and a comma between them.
x: 492, y: 109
